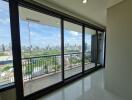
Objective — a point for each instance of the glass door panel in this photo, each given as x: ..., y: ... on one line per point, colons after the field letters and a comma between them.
x: 90, y: 48
x: 72, y: 49
x: 40, y: 50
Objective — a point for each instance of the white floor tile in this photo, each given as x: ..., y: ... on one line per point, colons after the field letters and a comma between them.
x: 87, y: 88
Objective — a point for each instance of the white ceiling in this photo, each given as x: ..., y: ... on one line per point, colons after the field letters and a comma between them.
x: 94, y: 10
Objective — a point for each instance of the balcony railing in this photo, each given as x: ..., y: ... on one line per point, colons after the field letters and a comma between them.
x: 50, y: 64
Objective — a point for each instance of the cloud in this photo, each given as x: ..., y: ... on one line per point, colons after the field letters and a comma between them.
x: 74, y: 39
x: 5, y: 21
x: 4, y: 5
x: 74, y: 33
x: 35, y: 34
x: 67, y: 40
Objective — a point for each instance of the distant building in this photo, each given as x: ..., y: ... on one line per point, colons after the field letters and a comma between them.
x: 2, y: 47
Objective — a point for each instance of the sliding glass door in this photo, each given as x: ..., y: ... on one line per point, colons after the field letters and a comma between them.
x: 90, y: 48
x: 72, y: 49
x: 101, y: 46
x: 51, y: 49
x: 40, y: 50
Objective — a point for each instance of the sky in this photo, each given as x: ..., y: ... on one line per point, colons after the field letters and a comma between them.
x: 40, y: 35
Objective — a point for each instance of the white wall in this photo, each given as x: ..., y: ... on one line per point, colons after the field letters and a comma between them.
x: 118, y: 74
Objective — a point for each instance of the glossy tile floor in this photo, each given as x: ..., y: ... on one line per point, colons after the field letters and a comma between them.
x: 87, y: 88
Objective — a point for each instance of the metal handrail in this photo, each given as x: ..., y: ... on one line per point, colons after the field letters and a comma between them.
x: 43, y: 65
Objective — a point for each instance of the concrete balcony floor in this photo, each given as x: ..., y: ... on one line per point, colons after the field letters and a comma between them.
x: 47, y: 80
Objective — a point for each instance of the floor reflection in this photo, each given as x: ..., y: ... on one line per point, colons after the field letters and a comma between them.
x: 87, y: 88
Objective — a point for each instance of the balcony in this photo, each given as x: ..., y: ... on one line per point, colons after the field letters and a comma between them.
x: 41, y: 72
